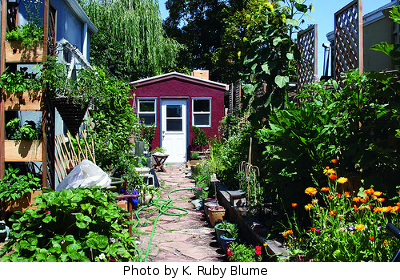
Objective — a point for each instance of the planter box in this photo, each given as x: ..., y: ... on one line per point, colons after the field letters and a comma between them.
x: 15, y: 53
x: 23, y: 150
x: 23, y: 101
x: 23, y: 203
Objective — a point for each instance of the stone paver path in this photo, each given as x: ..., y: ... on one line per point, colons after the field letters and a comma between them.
x: 187, y: 238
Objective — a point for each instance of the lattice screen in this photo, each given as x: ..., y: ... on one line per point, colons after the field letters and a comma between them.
x: 348, y: 38
x: 307, y: 67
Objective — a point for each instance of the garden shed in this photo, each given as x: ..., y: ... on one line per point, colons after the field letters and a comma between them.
x: 175, y: 102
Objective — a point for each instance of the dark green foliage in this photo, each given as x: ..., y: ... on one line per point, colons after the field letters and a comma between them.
x: 74, y: 225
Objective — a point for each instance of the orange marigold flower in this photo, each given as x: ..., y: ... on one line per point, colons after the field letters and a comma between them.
x: 386, y: 209
x: 362, y: 200
x: 288, y: 232
x: 380, y: 199
x: 332, y: 177
x: 356, y: 199
x: 355, y: 208
x: 312, y: 229
x: 330, y: 197
x: 371, y: 238
x: 360, y: 227
x: 334, y: 160
x: 332, y: 213
x: 385, y: 243
x: 395, y: 209
x: 338, y: 195
x: 347, y: 194
x: 377, y: 193
x: 325, y: 189
x: 311, y: 191
x: 369, y: 191
x: 308, y: 206
x: 342, y: 180
x: 398, y: 203
x: 294, y: 205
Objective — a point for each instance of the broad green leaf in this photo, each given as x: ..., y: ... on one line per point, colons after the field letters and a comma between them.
x: 281, y: 81
x: 265, y: 68
x: 276, y: 41
x: 293, y: 21
x: 290, y: 56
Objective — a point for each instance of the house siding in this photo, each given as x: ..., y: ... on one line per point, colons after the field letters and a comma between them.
x: 175, y: 88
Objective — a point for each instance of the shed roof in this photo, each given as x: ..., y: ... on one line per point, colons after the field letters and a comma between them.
x: 179, y: 76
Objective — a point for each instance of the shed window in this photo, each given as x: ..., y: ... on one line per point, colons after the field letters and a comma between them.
x: 201, y: 112
x: 147, y: 111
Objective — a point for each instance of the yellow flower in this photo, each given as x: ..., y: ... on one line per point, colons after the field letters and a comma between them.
x: 325, y: 189
x: 244, y: 39
x: 377, y: 193
x: 311, y: 191
x: 283, y: 17
x: 342, y: 180
x: 239, y: 54
x: 312, y: 8
x: 360, y: 227
x: 269, y: 6
x: 308, y: 206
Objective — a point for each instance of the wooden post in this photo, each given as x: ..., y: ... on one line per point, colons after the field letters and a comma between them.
x: 2, y: 68
x: 360, y: 37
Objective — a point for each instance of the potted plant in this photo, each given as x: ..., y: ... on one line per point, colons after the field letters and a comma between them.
x: 22, y: 90
x: 221, y: 229
x: 238, y: 252
x: 230, y: 236
x: 25, y: 42
x: 23, y: 143
x: 18, y: 190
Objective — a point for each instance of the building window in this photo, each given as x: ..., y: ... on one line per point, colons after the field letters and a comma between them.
x: 201, y: 112
x: 147, y: 111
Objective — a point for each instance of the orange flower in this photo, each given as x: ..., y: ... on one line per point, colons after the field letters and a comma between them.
x: 398, y: 203
x: 369, y: 191
x: 294, y: 205
x: 380, y: 199
x: 377, y: 193
x: 308, y: 206
x: 355, y: 208
x: 332, y: 177
x: 288, y: 232
x: 312, y: 229
x: 311, y: 191
x: 342, y: 180
x: 330, y: 197
x: 347, y: 194
x: 362, y: 200
x: 395, y: 209
x: 338, y: 195
x: 371, y: 238
x: 360, y: 227
x: 325, y: 189
x: 332, y: 213
x: 356, y: 199
x: 377, y: 209
x: 334, y: 160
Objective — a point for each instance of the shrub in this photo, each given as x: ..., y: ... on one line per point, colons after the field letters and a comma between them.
x: 238, y: 252
x: 77, y: 225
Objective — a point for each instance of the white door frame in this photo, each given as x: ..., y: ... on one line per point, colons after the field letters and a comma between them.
x: 174, y: 140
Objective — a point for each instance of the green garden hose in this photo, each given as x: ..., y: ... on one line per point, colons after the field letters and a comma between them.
x: 163, y: 208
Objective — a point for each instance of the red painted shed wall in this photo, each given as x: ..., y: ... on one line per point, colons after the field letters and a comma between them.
x: 181, y: 88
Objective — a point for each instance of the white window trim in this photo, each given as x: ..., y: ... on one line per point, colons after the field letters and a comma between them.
x: 155, y: 107
x: 202, y: 113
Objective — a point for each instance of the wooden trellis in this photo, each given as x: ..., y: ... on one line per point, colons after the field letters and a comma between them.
x: 348, y: 39
x: 307, y: 67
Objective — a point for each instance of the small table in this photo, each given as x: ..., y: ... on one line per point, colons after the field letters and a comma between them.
x: 159, y: 161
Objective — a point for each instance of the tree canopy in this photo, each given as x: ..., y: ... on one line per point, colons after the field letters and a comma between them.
x: 131, y: 42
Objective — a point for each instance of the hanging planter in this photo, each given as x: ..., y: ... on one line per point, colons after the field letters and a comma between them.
x: 17, y: 53
x: 71, y: 112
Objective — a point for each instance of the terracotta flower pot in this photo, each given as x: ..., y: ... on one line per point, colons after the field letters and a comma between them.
x: 216, y: 214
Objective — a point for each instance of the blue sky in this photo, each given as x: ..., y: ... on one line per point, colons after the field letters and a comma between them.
x: 323, y: 15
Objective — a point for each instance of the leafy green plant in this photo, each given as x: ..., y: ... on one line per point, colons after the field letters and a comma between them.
x: 30, y: 33
x: 14, y: 185
x: 21, y: 80
x: 231, y: 230
x: 78, y: 225
x: 148, y: 134
x: 239, y: 252
x: 29, y: 131
x: 194, y: 155
x: 158, y: 150
x: 200, y: 139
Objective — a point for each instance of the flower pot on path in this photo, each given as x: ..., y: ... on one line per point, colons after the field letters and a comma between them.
x: 225, y: 242
x: 219, y: 231
x: 208, y: 203
x: 216, y: 214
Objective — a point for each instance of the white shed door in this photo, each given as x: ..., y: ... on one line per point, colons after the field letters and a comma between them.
x: 173, y: 129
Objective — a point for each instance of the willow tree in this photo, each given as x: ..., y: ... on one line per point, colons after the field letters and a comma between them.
x: 131, y: 42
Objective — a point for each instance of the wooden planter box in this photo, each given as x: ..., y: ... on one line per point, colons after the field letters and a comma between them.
x: 15, y: 53
x: 23, y: 101
x: 23, y: 150
x: 22, y: 203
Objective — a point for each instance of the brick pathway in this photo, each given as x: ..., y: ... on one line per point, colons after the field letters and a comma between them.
x: 187, y: 238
